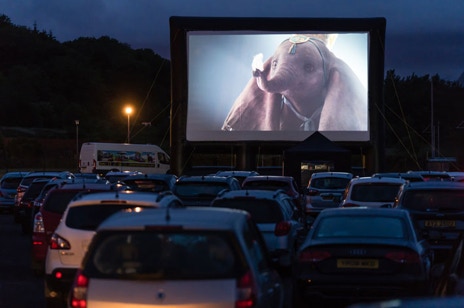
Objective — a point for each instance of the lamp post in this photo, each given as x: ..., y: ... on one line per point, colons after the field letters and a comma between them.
x: 77, y: 142
x: 128, y: 111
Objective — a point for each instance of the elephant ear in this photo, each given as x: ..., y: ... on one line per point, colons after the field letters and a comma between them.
x: 345, y: 105
x: 254, y: 109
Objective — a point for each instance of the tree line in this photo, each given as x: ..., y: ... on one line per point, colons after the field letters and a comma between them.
x: 46, y: 85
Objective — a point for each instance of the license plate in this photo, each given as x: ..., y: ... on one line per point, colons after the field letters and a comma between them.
x: 440, y: 223
x: 358, y: 263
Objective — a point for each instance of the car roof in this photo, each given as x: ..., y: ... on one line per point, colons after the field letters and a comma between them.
x: 434, y: 185
x: 134, y: 197
x: 204, y: 178
x: 269, y: 178
x: 236, y: 173
x: 14, y: 174
x: 188, y: 218
x: 257, y: 193
x: 337, y: 174
x: 369, y: 179
x: 151, y: 176
x: 355, y: 211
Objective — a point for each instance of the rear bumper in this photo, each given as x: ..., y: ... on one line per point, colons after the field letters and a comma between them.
x: 59, y: 282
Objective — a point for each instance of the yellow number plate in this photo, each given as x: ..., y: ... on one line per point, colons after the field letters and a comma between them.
x: 358, y: 263
x: 440, y: 223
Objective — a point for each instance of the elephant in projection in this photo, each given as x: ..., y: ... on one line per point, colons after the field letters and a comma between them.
x: 303, y: 86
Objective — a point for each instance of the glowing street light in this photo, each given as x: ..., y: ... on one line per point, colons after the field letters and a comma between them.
x: 128, y: 110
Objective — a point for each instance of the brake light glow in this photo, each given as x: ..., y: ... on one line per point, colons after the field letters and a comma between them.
x: 245, y: 294
x: 282, y: 228
x: 313, y: 255
x: 403, y: 256
x: 78, y: 298
x: 57, y: 242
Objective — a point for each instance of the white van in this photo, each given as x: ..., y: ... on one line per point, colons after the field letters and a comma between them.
x: 99, y: 157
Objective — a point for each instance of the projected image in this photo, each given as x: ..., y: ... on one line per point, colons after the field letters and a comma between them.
x: 271, y: 84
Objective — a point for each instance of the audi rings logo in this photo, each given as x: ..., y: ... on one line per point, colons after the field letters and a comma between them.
x: 357, y: 252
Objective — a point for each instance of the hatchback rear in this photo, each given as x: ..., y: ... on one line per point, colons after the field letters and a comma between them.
x: 192, y: 257
x: 81, y: 218
x: 325, y: 190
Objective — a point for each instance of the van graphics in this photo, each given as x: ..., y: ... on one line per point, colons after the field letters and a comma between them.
x: 126, y: 158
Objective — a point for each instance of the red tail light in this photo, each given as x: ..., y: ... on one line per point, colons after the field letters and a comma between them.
x: 78, y: 298
x: 245, y: 291
x: 313, y: 255
x: 57, y: 242
x: 282, y: 228
x: 313, y: 192
x: 403, y: 256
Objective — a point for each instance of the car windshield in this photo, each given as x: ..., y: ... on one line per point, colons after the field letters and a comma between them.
x: 166, y: 254
x: 195, y: 189
x: 330, y: 183
x: 361, y: 226
x: 431, y: 199
x: 375, y: 192
x: 262, y: 211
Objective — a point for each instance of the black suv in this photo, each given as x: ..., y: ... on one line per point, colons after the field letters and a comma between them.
x: 200, y: 190
x: 437, y: 209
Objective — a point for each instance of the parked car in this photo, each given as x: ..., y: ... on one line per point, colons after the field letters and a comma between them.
x: 240, y: 175
x: 116, y: 176
x: 200, y: 190
x: 27, y: 180
x: 191, y: 257
x: 275, y: 215
x: 325, y: 190
x: 361, y: 254
x: 275, y: 182
x: 49, y: 215
x: 371, y: 191
x: 81, y: 218
x: 437, y: 209
x: 409, y: 176
x: 431, y: 175
x: 25, y: 208
x: 8, y: 186
x: 154, y: 182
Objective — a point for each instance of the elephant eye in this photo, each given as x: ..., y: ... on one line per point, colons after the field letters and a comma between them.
x: 308, y: 67
x: 274, y: 64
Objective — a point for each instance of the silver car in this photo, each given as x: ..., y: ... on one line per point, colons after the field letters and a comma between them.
x: 190, y: 257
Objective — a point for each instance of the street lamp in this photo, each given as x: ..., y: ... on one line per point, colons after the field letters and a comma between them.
x: 128, y: 111
x: 77, y: 142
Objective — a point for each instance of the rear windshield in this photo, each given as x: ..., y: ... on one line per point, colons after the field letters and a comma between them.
x: 434, y: 200
x: 329, y: 183
x: 366, y: 227
x: 11, y: 183
x: 194, y: 189
x: 57, y: 201
x: 267, y: 185
x: 375, y: 192
x: 33, y: 190
x: 88, y: 217
x: 261, y: 210
x: 147, y: 185
x: 165, y: 254
x: 28, y: 180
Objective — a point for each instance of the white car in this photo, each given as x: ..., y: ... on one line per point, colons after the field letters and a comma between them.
x: 69, y: 242
x: 182, y: 257
x: 375, y: 191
